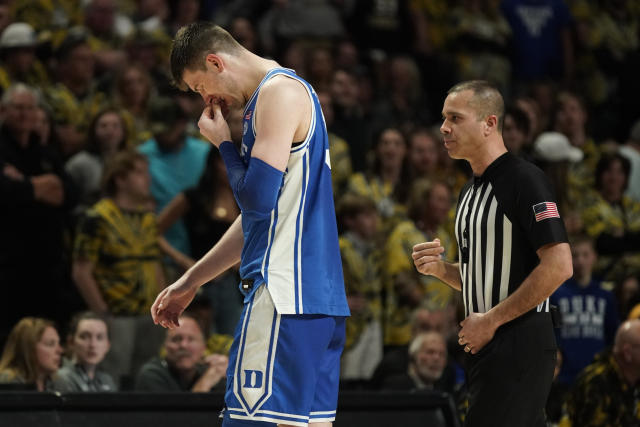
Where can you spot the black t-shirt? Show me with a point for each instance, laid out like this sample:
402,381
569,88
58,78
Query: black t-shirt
204,231
503,218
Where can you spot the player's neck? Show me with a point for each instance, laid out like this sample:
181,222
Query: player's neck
252,69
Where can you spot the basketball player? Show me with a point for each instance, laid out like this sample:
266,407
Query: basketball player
284,362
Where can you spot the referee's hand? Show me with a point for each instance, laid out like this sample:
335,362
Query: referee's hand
426,257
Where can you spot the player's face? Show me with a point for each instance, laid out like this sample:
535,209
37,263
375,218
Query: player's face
461,128
91,341
215,87
185,345
48,351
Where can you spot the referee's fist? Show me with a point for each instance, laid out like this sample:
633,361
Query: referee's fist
426,256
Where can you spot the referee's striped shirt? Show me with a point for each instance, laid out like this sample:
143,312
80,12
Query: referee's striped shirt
503,217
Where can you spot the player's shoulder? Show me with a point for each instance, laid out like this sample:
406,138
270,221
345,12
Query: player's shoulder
283,86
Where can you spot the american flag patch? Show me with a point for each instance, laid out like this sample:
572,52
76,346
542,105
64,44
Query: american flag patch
248,115
545,210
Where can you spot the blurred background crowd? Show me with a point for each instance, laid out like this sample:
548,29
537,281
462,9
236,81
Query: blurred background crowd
108,193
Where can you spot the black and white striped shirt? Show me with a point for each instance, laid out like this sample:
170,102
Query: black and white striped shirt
503,217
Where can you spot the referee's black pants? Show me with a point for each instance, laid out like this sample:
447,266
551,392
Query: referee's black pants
510,378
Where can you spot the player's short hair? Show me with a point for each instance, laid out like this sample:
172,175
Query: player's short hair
193,43
486,99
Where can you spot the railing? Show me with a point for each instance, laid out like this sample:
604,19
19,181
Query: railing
124,409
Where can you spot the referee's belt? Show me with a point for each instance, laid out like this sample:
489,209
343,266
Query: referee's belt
246,284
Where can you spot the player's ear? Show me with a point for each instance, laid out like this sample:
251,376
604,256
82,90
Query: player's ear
214,62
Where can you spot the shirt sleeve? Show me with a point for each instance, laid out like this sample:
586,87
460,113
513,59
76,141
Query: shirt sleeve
536,208
88,240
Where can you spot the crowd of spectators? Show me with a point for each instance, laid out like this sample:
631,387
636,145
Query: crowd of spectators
108,192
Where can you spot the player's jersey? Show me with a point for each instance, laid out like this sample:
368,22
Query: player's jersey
295,251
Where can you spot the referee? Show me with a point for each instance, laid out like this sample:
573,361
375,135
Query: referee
513,253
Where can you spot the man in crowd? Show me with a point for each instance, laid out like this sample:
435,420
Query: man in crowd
184,366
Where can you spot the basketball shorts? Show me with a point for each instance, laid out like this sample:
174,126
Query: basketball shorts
283,368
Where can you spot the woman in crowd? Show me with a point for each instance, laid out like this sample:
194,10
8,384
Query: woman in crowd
613,220
88,341
31,355
387,182
107,135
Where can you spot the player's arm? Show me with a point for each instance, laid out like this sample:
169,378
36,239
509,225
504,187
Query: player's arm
172,301
279,119
428,260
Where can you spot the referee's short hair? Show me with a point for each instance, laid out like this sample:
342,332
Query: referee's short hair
486,99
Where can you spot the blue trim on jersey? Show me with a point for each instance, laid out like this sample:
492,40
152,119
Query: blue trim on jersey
296,249
272,233
245,326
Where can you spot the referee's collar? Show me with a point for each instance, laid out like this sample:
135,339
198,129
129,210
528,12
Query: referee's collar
479,179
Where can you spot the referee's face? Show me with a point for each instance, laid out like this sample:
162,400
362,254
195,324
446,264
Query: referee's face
460,126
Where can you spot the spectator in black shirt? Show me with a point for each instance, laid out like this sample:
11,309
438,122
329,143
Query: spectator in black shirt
185,366
35,199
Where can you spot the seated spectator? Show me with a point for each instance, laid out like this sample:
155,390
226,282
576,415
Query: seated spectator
31,355
18,60
133,89
36,197
339,155
589,313
429,204
427,361
184,366
571,119
88,339
387,181
116,263
107,135
613,220
605,393
423,154
631,150
176,161
515,132
75,97
555,155
358,218
427,317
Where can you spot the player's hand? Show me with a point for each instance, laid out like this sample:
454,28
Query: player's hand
213,126
477,330
426,257
171,302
